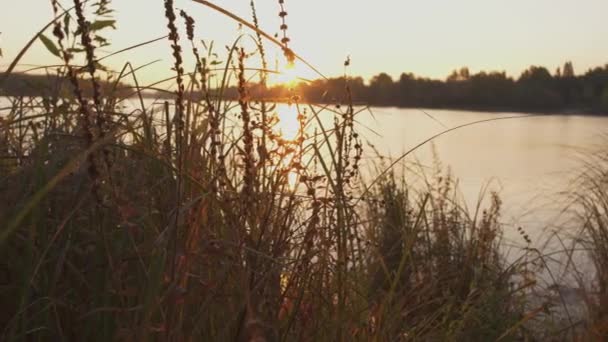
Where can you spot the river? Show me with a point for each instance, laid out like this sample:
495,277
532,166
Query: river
529,160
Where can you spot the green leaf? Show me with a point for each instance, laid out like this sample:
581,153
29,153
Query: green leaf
49,45
101,40
101,24
66,24
98,25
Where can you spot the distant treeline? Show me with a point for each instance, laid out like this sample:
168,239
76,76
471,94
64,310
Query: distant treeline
536,90
20,84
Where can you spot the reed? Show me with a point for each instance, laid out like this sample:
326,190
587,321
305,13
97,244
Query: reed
181,223
591,200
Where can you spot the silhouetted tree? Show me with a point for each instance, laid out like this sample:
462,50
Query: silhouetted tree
460,75
568,70
535,90
381,91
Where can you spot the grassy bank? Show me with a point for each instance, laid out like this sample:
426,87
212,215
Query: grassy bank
199,221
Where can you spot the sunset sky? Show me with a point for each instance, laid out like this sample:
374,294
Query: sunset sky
429,38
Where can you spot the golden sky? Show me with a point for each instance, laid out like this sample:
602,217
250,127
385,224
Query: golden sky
429,38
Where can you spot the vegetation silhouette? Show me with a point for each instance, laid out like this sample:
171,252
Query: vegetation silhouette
536,90
181,222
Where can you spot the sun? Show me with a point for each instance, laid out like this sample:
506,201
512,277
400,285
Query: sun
289,75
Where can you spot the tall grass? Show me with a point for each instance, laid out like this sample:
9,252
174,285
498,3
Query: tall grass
435,272
592,200
196,220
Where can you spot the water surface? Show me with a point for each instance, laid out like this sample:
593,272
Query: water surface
529,160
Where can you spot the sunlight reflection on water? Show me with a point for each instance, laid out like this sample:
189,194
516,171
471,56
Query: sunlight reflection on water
529,160
288,125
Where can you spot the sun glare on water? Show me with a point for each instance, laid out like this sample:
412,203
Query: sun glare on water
288,125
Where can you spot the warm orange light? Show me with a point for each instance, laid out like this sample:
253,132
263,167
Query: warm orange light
288,125
287,76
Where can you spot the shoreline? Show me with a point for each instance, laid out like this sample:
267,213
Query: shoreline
477,109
